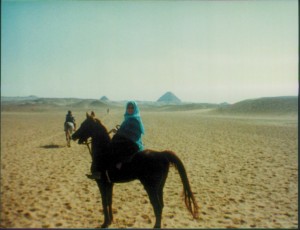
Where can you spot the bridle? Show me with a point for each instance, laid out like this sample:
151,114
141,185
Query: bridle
87,143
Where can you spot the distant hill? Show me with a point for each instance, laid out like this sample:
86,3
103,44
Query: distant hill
43,104
169,97
266,105
31,97
97,103
168,102
186,106
28,104
87,103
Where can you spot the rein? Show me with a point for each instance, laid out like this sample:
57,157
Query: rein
88,146
87,143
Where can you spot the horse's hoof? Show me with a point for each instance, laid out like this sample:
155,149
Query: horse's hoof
104,226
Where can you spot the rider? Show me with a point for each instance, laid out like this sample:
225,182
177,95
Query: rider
128,138
132,127
70,118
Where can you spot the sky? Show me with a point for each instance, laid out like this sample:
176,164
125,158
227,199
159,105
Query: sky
202,51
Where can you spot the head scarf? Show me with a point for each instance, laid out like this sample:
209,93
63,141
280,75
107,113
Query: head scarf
135,114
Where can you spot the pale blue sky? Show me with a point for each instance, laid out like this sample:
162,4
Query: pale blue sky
202,51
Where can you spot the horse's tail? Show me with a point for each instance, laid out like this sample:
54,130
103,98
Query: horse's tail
189,198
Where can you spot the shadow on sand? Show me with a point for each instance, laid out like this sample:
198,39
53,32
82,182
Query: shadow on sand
52,146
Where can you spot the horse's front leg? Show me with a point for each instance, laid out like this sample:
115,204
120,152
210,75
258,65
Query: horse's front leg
104,190
110,193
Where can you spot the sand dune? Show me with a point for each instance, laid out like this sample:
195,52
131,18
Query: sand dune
267,105
244,172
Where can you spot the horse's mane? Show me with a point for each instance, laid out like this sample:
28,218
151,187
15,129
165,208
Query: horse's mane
97,121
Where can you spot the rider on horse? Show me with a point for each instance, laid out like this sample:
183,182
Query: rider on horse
127,141
70,119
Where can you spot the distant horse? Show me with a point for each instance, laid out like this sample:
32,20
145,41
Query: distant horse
69,128
150,167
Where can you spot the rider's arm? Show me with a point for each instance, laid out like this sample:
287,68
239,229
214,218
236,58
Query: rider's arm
131,129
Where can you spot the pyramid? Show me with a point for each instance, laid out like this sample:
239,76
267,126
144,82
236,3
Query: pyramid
169,97
104,98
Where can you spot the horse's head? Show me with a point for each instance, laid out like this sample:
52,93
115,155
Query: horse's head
86,129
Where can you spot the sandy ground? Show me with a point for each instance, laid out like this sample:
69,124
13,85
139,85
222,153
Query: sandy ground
244,172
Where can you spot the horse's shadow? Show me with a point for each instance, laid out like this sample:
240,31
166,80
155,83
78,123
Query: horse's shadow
52,146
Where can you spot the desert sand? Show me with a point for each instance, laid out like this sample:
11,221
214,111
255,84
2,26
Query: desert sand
243,171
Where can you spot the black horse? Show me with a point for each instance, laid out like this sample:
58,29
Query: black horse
150,167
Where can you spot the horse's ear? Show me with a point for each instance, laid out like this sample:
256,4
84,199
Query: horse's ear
93,114
87,115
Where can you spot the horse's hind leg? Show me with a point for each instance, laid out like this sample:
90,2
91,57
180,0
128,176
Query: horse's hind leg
155,193
154,197
154,187
68,138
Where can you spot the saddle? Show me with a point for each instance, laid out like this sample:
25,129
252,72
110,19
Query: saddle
123,149
122,152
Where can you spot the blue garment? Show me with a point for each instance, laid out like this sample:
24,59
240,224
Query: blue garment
132,126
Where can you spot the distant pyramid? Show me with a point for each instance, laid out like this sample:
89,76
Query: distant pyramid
169,97
104,98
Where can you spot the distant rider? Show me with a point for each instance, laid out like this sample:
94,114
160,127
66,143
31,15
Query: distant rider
71,120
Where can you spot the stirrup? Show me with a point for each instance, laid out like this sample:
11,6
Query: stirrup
94,176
